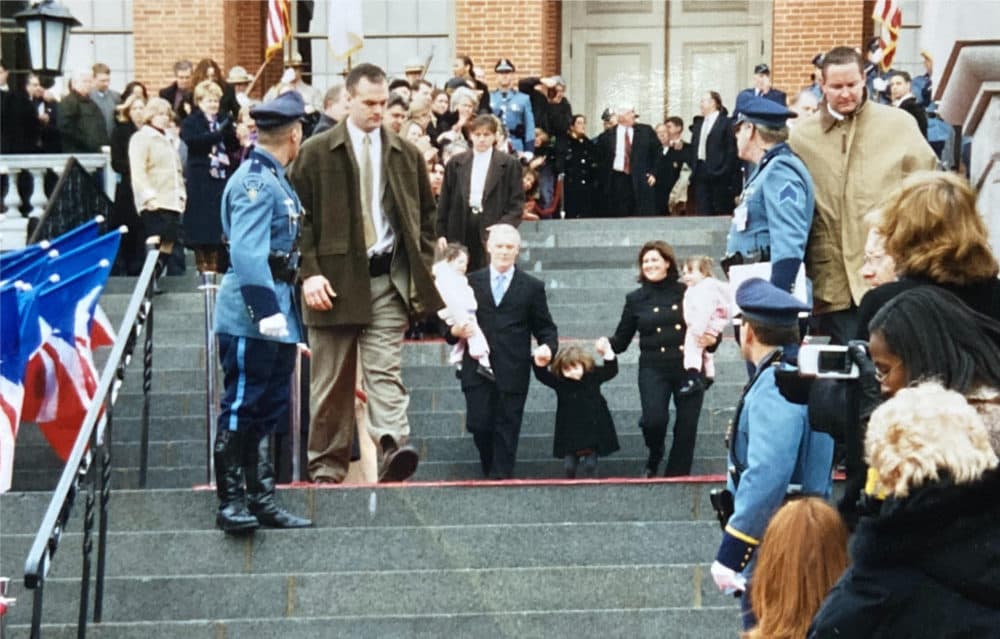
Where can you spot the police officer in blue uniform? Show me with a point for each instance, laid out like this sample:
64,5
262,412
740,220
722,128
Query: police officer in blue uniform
256,320
772,220
513,109
772,450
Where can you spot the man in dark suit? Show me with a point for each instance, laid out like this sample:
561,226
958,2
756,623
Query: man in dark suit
762,87
626,156
367,243
179,93
716,175
512,308
900,89
674,154
481,187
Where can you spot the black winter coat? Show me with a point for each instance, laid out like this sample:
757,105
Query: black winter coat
583,420
656,311
927,566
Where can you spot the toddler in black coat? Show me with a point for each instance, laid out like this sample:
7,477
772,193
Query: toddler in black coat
584,427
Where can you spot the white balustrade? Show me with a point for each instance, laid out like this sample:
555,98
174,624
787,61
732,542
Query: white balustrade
12,224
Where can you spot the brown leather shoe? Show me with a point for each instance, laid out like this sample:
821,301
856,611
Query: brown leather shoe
398,462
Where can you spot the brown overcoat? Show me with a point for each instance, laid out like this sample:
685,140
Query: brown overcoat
325,176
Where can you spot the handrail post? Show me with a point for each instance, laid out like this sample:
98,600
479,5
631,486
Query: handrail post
109,174
105,488
209,287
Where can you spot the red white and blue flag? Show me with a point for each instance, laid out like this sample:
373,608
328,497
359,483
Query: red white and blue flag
21,337
279,26
888,17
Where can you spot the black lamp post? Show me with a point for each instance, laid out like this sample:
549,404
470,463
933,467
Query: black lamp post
46,26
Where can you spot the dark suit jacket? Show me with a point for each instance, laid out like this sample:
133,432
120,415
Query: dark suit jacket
645,148
721,160
669,162
169,93
911,106
773,95
523,313
325,177
503,199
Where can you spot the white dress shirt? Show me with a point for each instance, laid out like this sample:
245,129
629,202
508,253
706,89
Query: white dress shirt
385,238
619,163
480,167
706,127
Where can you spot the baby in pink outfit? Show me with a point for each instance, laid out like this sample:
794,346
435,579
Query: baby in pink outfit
460,306
706,313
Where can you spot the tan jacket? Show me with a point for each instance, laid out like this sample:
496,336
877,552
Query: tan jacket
157,179
855,163
325,177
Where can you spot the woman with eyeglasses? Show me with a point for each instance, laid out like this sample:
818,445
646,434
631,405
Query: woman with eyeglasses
935,236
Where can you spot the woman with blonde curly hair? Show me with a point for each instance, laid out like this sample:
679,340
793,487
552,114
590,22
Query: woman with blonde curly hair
804,552
928,565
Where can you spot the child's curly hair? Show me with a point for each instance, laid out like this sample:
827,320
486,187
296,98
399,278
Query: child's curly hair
570,356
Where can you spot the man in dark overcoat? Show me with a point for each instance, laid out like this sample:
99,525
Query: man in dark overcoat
367,244
626,157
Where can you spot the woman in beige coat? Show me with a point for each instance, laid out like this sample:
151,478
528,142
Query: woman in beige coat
157,179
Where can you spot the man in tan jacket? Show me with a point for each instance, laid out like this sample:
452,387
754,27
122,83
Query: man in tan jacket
367,244
857,152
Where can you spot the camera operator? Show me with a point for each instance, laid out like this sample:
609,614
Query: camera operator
771,446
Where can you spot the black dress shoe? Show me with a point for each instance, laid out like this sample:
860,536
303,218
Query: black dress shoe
691,387
648,473
398,462
486,372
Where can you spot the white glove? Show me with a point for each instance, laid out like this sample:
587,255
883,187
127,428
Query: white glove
274,326
880,84
727,579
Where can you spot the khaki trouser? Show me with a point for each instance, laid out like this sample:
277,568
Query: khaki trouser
333,370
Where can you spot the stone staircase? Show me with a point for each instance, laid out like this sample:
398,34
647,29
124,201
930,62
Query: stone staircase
536,558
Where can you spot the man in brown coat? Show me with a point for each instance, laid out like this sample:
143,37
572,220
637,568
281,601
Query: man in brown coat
857,152
367,243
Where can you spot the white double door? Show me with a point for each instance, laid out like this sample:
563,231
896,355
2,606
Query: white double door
660,57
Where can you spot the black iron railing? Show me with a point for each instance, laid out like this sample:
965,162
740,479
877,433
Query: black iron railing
94,443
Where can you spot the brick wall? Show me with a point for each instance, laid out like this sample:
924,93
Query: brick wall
230,33
803,28
526,31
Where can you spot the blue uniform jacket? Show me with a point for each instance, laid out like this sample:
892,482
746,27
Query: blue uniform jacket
777,205
775,446
260,214
514,110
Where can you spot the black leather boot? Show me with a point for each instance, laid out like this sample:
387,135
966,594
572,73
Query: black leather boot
233,517
260,488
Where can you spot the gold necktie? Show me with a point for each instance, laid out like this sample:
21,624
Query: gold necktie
366,192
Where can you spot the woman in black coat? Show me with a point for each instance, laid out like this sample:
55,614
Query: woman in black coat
928,564
132,250
208,135
656,311
576,160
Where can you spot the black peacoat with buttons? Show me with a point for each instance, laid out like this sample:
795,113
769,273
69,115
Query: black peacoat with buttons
655,310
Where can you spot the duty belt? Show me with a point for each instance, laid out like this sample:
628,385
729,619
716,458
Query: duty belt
284,266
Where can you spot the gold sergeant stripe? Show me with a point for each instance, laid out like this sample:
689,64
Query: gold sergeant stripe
742,537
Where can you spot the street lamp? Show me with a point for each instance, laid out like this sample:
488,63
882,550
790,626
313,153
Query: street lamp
47,26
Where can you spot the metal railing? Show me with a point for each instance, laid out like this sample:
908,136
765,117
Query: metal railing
94,443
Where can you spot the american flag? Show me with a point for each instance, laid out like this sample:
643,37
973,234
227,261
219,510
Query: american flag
888,15
279,26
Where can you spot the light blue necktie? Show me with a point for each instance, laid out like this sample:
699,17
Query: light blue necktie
498,283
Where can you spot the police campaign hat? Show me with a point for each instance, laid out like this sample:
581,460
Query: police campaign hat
284,109
762,68
504,66
759,110
763,302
